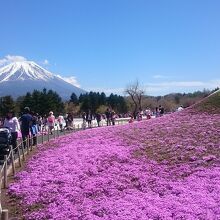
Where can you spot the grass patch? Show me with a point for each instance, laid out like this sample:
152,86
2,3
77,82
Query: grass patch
210,104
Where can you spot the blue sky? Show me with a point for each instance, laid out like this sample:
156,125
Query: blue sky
168,45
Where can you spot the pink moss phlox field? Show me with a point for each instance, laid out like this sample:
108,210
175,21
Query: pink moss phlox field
163,168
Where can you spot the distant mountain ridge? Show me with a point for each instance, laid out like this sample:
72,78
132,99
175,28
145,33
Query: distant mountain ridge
18,78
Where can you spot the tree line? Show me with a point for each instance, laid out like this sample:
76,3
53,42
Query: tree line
44,101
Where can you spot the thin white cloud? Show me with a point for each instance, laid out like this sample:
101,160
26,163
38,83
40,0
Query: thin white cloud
10,59
180,86
72,80
14,58
46,62
164,88
158,76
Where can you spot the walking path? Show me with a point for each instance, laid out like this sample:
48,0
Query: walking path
15,160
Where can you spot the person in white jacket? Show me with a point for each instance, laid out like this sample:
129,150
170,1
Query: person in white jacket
61,122
180,108
11,122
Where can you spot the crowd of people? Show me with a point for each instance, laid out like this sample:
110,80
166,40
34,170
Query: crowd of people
148,114
31,123
109,117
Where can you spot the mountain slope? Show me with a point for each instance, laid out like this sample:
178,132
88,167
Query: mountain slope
18,78
210,104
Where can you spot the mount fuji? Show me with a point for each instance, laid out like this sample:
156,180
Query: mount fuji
18,78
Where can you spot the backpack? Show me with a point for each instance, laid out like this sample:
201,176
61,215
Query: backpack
5,136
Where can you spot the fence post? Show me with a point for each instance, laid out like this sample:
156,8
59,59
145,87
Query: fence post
57,132
4,214
42,138
48,136
5,171
31,142
12,161
28,144
22,149
19,157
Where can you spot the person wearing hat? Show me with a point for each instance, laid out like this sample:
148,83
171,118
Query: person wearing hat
11,122
26,122
51,122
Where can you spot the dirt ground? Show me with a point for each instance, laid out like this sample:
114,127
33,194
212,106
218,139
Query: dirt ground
12,203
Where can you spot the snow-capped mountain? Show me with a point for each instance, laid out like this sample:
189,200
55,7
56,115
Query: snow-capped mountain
24,70
18,78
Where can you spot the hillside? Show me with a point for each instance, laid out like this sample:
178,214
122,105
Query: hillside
163,168
173,100
210,104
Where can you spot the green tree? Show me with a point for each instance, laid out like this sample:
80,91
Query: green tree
85,103
43,101
93,101
112,101
102,99
6,103
122,105
74,98
27,101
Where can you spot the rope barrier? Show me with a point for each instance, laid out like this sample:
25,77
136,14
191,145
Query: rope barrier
10,161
